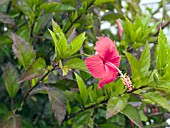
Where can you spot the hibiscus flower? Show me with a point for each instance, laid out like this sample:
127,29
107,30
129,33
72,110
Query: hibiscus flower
104,65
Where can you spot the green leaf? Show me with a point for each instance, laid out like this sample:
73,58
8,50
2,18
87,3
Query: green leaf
26,8
6,19
98,2
109,125
58,102
118,86
13,121
145,61
55,7
35,70
81,120
24,32
115,105
163,52
64,69
131,30
39,90
158,99
41,23
134,65
10,76
59,41
76,63
76,44
133,115
82,88
23,51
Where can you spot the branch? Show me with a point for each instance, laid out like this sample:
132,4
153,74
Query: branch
38,82
84,109
163,26
72,23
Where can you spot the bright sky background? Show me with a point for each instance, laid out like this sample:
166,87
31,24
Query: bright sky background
144,3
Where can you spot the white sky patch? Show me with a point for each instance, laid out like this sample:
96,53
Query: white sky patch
168,121
105,25
149,1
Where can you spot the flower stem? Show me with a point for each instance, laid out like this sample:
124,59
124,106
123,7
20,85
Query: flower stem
126,80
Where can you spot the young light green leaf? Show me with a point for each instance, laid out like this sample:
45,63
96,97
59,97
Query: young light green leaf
13,121
60,36
59,41
145,61
98,2
57,46
10,76
35,70
82,88
23,51
163,54
131,30
133,115
115,105
158,99
76,44
64,69
76,63
134,65
58,102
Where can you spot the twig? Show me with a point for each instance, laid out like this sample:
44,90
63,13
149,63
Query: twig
39,81
73,22
163,26
9,7
84,109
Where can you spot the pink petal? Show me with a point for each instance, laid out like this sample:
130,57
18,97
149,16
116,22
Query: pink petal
95,66
114,60
110,76
104,46
120,28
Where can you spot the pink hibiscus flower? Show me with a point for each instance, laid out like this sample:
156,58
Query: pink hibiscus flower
105,63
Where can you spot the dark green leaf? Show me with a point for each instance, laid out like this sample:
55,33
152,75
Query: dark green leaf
82,89
35,70
58,102
39,90
5,40
10,76
41,23
55,7
157,98
13,121
23,51
81,120
76,63
115,105
109,125
6,19
133,114
24,32
25,7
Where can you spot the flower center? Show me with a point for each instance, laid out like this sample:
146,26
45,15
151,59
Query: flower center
126,80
